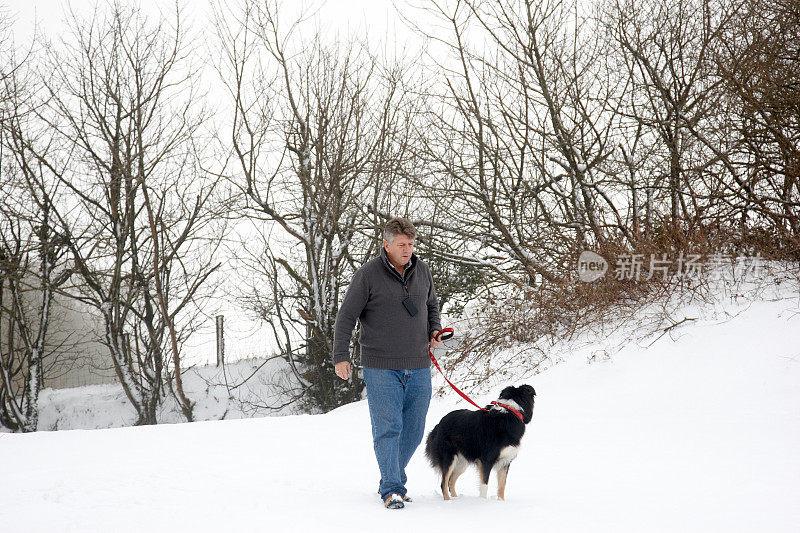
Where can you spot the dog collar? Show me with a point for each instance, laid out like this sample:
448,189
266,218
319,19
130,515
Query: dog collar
498,404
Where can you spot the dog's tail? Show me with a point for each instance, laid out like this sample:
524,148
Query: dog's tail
430,447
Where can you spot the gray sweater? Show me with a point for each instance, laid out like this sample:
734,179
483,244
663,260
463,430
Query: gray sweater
390,336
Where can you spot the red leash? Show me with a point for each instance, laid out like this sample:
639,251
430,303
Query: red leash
439,336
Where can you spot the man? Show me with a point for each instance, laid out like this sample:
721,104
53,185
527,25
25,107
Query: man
394,298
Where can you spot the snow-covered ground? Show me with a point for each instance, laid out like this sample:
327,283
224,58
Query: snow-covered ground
239,390
698,432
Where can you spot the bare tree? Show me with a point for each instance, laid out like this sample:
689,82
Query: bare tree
758,61
31,267
316,139
118,102
518,138
31,259
681,151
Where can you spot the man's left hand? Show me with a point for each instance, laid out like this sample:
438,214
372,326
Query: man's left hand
434,341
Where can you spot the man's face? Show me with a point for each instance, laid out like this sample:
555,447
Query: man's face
400,250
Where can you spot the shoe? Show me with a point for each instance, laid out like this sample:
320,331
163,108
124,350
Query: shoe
406,498
395,501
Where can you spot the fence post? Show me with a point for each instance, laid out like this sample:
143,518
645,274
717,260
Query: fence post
220,340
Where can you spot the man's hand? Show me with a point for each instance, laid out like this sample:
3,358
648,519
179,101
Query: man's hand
342,369
434,341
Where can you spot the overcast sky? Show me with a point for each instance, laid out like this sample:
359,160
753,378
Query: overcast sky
376,19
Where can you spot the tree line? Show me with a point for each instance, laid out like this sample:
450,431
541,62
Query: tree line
527,133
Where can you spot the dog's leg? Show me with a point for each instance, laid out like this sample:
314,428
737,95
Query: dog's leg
484,470
460,465
446,474
502,475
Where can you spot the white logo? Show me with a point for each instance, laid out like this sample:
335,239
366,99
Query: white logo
591,266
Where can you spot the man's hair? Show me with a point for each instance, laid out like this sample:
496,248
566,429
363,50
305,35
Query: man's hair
397,226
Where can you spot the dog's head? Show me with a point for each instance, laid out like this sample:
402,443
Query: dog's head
522,396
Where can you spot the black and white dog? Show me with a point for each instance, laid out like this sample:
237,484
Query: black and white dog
489,439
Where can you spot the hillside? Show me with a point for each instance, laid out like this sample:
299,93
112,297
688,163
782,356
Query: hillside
698,432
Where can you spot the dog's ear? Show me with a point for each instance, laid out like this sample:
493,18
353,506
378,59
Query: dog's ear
528,390
507,393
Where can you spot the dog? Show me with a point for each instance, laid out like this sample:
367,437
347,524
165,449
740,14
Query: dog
488,439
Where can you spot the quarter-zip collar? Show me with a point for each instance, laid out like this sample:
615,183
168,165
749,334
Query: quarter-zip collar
409,268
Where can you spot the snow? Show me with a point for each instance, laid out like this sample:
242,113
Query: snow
106,406
698,432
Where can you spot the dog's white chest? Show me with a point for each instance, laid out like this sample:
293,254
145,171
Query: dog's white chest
507,454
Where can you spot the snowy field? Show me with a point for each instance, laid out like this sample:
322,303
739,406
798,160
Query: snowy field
698,432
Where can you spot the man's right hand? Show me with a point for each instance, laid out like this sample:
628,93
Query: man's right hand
342,369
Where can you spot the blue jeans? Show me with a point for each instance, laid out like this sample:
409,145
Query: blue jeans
398,403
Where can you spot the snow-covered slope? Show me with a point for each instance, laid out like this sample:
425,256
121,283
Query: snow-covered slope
218,393
698,432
